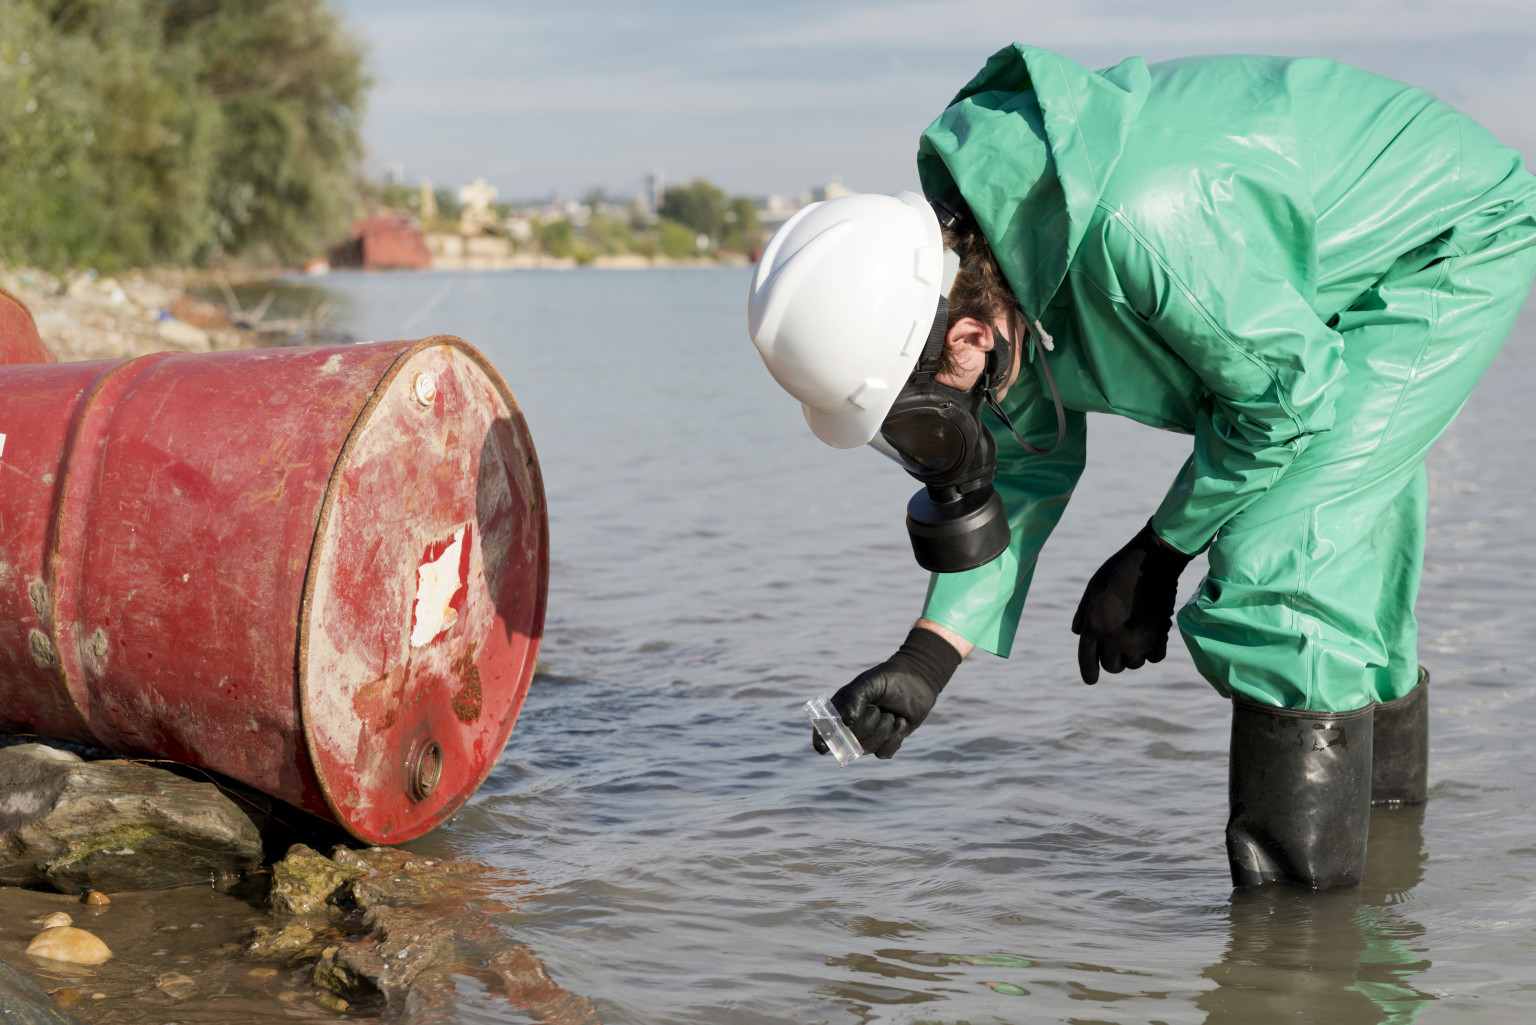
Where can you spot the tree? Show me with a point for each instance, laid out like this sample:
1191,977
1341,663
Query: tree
142,131
676,240
448,206
290,86
742,229
557,237
698,205
107,140
608,235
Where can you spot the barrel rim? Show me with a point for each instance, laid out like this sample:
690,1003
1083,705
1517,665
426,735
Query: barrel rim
312,570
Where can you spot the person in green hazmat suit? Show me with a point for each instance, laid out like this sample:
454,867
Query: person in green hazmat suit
1304,266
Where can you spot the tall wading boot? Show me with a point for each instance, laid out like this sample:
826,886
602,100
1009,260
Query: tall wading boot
1300,795
1400,764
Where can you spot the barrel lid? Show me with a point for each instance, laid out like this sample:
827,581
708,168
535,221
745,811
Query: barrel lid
424,599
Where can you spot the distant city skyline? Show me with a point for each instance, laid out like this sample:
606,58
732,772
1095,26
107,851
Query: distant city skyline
542,99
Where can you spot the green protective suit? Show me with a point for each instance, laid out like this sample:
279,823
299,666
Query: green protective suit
1303,265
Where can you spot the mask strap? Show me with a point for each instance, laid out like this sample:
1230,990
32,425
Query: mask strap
929,357
989,393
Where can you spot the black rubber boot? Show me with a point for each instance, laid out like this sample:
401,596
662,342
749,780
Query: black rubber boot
1400,764
1300,795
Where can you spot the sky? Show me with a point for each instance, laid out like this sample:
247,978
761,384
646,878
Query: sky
557,98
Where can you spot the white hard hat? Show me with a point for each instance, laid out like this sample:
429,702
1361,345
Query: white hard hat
842,303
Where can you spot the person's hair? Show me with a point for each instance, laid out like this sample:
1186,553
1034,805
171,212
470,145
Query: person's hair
980,290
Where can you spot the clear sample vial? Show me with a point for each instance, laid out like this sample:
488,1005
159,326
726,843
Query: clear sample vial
830,727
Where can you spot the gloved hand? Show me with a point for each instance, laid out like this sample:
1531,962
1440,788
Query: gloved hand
1127,608
887,702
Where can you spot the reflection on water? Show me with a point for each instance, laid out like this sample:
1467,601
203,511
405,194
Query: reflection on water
1039,850
1343,956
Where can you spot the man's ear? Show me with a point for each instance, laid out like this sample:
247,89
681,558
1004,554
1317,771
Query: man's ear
968,334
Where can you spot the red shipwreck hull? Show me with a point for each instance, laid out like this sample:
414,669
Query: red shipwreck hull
321,571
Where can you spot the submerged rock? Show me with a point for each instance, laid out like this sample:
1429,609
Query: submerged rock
305,880
22,1002
73,825
70,945
392,930
176,985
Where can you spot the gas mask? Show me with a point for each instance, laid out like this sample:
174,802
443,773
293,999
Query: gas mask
935,432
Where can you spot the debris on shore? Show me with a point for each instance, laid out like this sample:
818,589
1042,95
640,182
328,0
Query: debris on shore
361,931
85,316
388,930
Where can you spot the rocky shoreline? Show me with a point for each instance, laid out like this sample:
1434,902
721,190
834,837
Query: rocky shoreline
166,874
86,316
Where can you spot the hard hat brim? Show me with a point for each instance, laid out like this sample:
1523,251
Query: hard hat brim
849,428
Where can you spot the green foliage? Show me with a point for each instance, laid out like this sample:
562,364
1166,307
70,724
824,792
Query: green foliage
557,237
396,196
699,205
742,230
448,206
167,131
675,240
608,236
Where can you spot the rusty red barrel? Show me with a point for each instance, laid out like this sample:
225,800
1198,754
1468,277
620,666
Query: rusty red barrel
321,571
19,340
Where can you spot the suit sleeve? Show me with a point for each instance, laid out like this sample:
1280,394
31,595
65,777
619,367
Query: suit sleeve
983,605
1272,370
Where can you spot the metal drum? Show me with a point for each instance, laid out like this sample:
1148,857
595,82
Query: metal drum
19,340
321,571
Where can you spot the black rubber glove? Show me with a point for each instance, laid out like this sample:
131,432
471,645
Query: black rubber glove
1127,608
887,702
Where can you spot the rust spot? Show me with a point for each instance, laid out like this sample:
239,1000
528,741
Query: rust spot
466,703
377,703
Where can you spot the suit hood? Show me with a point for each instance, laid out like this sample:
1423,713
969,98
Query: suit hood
1029,145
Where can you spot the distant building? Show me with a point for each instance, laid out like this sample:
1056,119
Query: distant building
778,208
655,190
833,189
383,242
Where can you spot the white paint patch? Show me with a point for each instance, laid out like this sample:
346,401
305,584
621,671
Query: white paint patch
332,365
2,444
436,584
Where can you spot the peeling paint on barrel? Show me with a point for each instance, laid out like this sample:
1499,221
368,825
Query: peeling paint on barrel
247,606
37,594
42,649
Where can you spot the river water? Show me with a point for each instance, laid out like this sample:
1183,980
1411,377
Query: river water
1039,851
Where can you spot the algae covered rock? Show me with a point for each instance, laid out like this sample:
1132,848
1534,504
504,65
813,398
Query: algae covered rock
305,880
395,931
71,825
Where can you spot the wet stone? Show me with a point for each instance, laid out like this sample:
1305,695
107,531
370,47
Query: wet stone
283,942
71,825
66,997
176,985
22,1001
394,931
305,880
70,945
